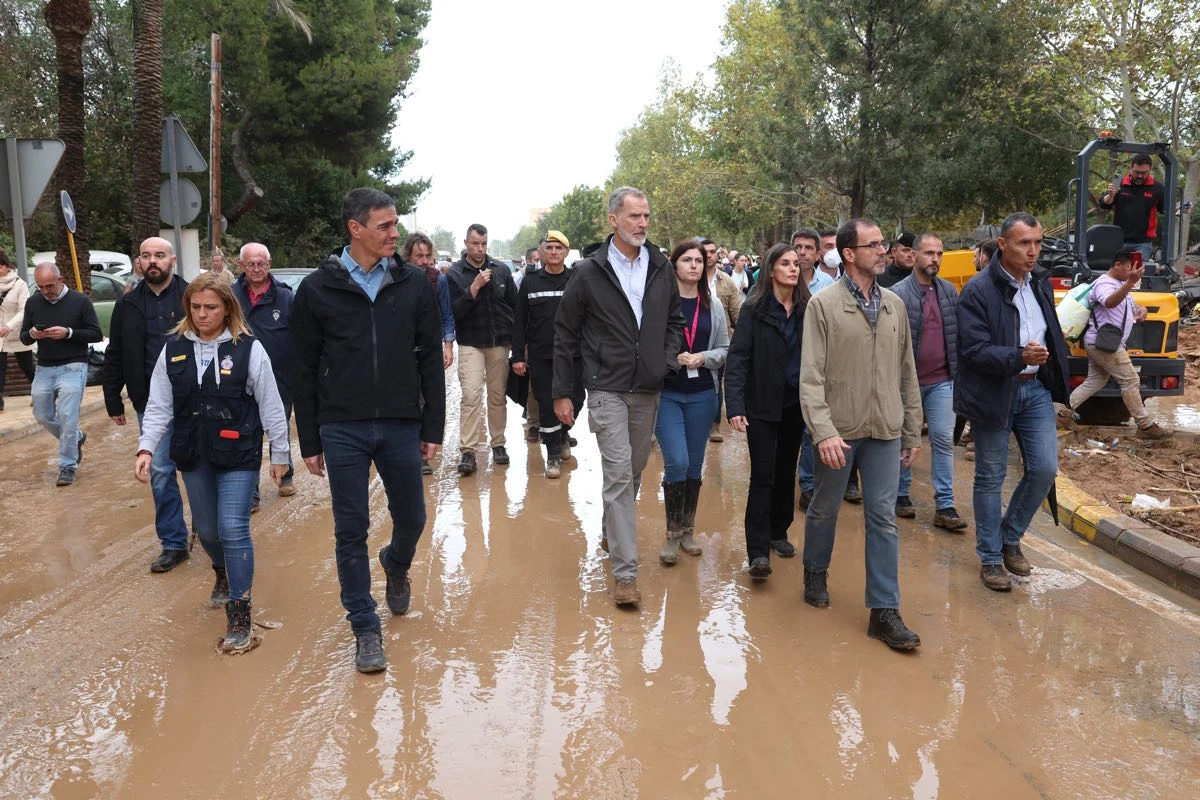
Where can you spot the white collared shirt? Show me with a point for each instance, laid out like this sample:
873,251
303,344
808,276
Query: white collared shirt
631,275
1033,321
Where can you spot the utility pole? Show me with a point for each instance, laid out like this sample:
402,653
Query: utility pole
215,228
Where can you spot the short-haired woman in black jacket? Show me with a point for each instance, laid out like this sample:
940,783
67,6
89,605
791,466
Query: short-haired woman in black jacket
762,398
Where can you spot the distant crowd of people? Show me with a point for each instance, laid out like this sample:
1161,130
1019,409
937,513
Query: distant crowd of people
830,353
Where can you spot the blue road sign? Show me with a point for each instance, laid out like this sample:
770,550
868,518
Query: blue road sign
68,209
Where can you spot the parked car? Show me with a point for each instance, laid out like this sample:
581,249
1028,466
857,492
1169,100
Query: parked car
106,290
292,276
105,261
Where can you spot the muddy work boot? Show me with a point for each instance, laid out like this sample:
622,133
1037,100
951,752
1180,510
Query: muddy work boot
368,651
948,519
1155,431
399,587
995,577
673,500
238,638
760,568
853,495
887,627
1015,561
691,498
905,508
466,464
625,592
816,590
169,560
220,590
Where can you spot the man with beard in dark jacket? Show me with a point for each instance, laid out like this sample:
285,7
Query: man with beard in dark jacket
1012,368
267,304
621,314
140,322
932,303
367,342
533,345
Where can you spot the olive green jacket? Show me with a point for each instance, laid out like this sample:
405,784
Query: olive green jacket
854,382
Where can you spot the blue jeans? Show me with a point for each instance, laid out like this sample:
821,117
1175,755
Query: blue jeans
164,488
1145,248
684,420
1033,425
878,462
937,399
57,394
350,448
220,503
805,468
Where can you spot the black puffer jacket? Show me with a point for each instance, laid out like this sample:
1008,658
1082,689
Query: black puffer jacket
358,360
595,321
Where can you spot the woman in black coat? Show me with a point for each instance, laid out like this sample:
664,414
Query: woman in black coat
762,398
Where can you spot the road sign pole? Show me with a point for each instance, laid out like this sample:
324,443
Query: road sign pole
170,123
74,261
18,219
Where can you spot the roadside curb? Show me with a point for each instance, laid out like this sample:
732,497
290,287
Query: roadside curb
1159,555
22,429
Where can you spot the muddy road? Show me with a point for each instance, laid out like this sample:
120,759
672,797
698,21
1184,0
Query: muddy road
514,676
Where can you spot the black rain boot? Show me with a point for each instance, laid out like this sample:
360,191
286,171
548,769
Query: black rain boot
691,499
238,638
220,591
673,498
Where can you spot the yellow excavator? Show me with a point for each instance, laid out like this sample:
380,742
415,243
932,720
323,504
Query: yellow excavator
1087,253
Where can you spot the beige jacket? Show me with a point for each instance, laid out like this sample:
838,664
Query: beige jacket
854,382
730,296
12,312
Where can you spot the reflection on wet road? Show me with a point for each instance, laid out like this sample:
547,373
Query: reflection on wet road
515,676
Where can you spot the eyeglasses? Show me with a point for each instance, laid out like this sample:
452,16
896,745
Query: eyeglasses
872,246
255,265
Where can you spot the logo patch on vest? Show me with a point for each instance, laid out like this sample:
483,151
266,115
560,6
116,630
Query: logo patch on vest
179,358
275,315
226,365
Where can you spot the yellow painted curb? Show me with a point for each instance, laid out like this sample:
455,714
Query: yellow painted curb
1084,511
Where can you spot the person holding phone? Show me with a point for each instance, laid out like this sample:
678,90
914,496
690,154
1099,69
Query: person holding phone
1113,309
213,382
62,322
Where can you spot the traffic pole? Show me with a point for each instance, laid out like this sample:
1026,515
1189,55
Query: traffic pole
74,261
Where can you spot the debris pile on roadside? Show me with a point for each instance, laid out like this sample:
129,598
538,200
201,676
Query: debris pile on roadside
1117,469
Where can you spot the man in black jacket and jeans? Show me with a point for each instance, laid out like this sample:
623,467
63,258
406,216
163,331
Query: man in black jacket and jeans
367,341
1012,368
141,320
621,313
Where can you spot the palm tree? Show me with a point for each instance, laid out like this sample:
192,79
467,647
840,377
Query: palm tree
69,22
148,106
147,116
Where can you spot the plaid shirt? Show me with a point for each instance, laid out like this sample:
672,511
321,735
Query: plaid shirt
869,305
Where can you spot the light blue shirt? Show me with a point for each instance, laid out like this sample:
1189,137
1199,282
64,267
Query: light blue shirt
1033,321
819,281
372,281
631,275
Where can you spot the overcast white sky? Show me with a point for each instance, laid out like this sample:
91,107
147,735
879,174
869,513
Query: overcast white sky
515,103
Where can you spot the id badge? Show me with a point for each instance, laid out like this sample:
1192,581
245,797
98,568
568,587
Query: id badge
693,372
